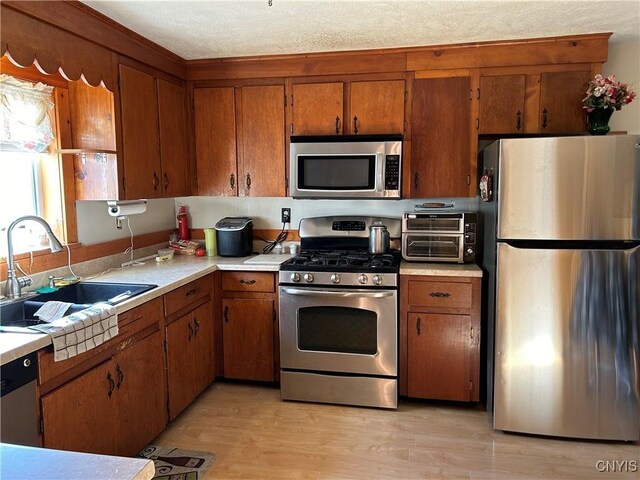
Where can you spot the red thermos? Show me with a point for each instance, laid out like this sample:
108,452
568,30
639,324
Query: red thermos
183,224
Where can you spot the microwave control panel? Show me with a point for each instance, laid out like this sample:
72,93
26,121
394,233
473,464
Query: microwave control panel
392,172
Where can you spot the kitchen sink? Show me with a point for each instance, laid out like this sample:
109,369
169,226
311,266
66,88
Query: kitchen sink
20,313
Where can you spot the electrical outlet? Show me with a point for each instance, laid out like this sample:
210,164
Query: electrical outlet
286,215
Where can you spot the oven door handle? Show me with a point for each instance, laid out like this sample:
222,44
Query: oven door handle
341,293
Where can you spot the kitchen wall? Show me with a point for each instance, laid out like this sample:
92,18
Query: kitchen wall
624,63
206,211
95,225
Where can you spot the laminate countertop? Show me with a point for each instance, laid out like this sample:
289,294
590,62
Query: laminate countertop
182,269
31,463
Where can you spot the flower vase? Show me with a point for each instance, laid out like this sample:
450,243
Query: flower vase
598,120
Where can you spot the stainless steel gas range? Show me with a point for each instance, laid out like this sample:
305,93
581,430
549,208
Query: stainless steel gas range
339,315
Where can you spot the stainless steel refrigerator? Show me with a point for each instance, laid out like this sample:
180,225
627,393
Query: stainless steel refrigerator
562,256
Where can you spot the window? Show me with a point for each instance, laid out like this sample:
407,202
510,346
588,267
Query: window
30,183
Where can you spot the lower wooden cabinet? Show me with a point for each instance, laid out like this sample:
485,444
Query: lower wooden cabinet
440,337
114,408
190,357
249,326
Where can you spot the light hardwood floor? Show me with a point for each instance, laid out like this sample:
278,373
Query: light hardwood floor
255,435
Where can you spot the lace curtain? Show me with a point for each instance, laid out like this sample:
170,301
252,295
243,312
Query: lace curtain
25,124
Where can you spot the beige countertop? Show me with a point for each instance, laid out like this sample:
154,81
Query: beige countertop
183,269
440,269
168,275
31,463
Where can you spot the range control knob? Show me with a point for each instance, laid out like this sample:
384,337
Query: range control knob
362,279
469,251
295,277
377,280
308,277
335,278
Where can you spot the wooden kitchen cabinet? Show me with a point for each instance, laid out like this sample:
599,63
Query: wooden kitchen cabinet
440,337
115,408
239,139
249,326
154,135
190,344
440,142
374,107
540,102
377,107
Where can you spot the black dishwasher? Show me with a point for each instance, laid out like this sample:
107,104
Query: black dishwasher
18,408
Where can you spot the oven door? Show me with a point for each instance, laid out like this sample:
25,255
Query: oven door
339,330
433,247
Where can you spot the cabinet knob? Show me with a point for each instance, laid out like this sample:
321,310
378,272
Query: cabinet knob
226,314
112,384
518,120
355,125
190,331
440,294
166,182
248,181
418,324
415,180
156,181
119,376
544,118
232,181
247,282
197,326
337,125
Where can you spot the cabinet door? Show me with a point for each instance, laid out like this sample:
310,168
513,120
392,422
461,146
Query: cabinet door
377,107
440,122
262,165
439,356
174,151
561,95
502,104
247,338
141,394
317,108
203,346
215,132
180,369
140,134
81,415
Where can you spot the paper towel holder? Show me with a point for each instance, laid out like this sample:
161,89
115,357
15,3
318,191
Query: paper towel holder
118,208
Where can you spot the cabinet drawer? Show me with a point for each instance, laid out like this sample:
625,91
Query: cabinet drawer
187,294
440,294
248,281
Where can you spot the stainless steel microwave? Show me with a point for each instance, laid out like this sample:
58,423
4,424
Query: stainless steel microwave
346,166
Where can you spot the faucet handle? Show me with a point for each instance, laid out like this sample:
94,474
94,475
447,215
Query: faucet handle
53,280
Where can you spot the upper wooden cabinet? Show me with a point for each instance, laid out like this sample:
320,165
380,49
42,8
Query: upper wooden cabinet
440,141
153,136
547,102
377,107
369,107
239,137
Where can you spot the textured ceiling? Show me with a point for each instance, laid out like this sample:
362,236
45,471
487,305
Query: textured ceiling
226,28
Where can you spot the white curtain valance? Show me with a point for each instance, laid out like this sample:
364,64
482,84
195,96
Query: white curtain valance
25,124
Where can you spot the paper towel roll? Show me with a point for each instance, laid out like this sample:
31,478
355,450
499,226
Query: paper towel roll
117,209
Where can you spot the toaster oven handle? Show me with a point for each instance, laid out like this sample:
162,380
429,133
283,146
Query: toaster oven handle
338,293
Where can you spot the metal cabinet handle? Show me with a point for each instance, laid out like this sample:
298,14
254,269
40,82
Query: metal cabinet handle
355,124
190,331
544,118
248,181
119,375
415,180
247,282
232,181
166,181
418,323
440,294
337,125
192,292
226,314
112,384
156,181
197,324
518,120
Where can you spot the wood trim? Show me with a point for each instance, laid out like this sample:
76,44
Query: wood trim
535,69
457,72
474,119
69,16
44,260
258,234
560,50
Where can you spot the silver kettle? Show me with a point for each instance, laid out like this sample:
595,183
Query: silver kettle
378,238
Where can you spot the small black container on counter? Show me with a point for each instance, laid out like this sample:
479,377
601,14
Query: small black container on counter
234,236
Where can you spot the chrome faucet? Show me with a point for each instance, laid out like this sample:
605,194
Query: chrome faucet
15,284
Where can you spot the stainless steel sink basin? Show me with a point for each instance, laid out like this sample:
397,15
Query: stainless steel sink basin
20,313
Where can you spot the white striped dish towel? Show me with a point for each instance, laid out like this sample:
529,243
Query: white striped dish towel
81,331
